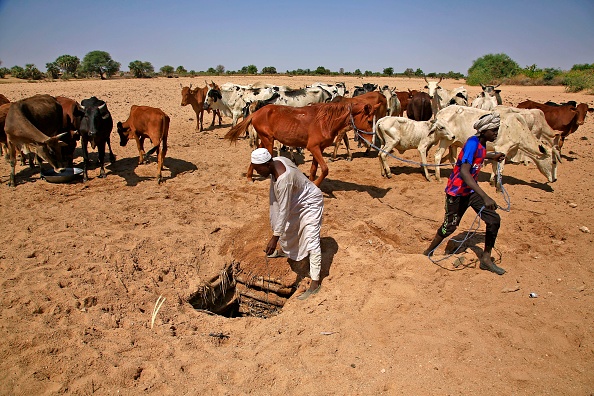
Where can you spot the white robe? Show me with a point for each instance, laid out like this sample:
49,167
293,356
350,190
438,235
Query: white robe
296,206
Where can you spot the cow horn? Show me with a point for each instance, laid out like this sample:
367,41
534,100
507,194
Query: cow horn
426,79
496,85
482,86
181,86
102,106
190,88
441,78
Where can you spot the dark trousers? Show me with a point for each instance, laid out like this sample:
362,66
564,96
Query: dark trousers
455,207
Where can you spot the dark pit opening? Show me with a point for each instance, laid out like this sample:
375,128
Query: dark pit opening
235,293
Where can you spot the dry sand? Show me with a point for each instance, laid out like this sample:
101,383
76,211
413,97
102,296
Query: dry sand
82,265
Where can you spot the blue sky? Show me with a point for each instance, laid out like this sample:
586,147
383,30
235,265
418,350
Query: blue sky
434,35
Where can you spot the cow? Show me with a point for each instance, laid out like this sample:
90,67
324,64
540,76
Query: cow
231,99
72,114
538,126
404,97
514,134
301,97
338,89
375,99
95,128
34,124
314,127
419,107
571,103
441,97
403,134
366,88
565,119
3,100
146,122
3,142
394,106
195,97
488,99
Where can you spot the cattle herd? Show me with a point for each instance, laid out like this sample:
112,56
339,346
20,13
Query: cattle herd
48,128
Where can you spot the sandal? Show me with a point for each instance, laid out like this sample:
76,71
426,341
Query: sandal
277,253
309,293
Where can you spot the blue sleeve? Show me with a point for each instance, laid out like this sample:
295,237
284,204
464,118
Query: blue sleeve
469,150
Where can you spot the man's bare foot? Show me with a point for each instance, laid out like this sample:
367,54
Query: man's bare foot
488,264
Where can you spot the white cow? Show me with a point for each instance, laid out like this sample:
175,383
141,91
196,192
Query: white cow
403,134
338,89
514,134
484,102
393,102
441,98
301,97
231,99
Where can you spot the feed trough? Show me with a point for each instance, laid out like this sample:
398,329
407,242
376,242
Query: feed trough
66,175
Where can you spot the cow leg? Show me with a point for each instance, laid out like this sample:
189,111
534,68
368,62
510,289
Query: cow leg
201,120
101,151
83,144
438,155
339,137
217,112
161,157
423,150
112,157
318,158
12,160
140,145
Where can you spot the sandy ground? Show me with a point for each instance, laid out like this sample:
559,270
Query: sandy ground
82,266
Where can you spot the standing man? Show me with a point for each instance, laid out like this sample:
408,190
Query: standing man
296,206
463,190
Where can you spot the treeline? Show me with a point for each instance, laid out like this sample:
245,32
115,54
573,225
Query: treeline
489,69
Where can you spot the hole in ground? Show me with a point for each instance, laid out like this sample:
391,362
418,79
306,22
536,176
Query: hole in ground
235,293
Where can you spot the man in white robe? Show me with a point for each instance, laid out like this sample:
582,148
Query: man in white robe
296,206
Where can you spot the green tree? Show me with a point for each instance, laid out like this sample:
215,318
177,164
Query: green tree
52,70
141,69
582,67
181,71
211,70
17,72
220,69
419,72
409,72
491,68
31,72
100,62
357,72
68,64
166,70
389,71
269,70
4,71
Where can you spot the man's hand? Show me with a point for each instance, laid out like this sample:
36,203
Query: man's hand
490,203
499,157
271,247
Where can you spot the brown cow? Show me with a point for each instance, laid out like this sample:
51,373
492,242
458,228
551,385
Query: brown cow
35,123
3,112
314,127
146,122
419,107
196,98
72,115
404,97
565,119
3,100
371,98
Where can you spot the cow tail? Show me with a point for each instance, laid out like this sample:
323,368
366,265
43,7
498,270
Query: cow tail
239,129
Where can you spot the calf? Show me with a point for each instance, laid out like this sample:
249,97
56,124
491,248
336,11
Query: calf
146,122
404,134
33,124
95,128
195,98
394,106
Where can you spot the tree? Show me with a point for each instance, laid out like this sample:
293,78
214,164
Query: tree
181,70
491,68
322,70
100,62
4,71
52,69
269,70
141,69
357,72
166,70
409,72
17,72
341,70
220,69
211,70
389,71
419,72
68,64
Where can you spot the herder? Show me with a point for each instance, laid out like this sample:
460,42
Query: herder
296,206
463,190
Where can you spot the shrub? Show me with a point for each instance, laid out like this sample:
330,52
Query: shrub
491,68
579,80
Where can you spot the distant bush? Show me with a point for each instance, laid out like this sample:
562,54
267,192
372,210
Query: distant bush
579,80
492,68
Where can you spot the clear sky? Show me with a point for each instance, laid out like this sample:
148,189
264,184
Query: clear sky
434,35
